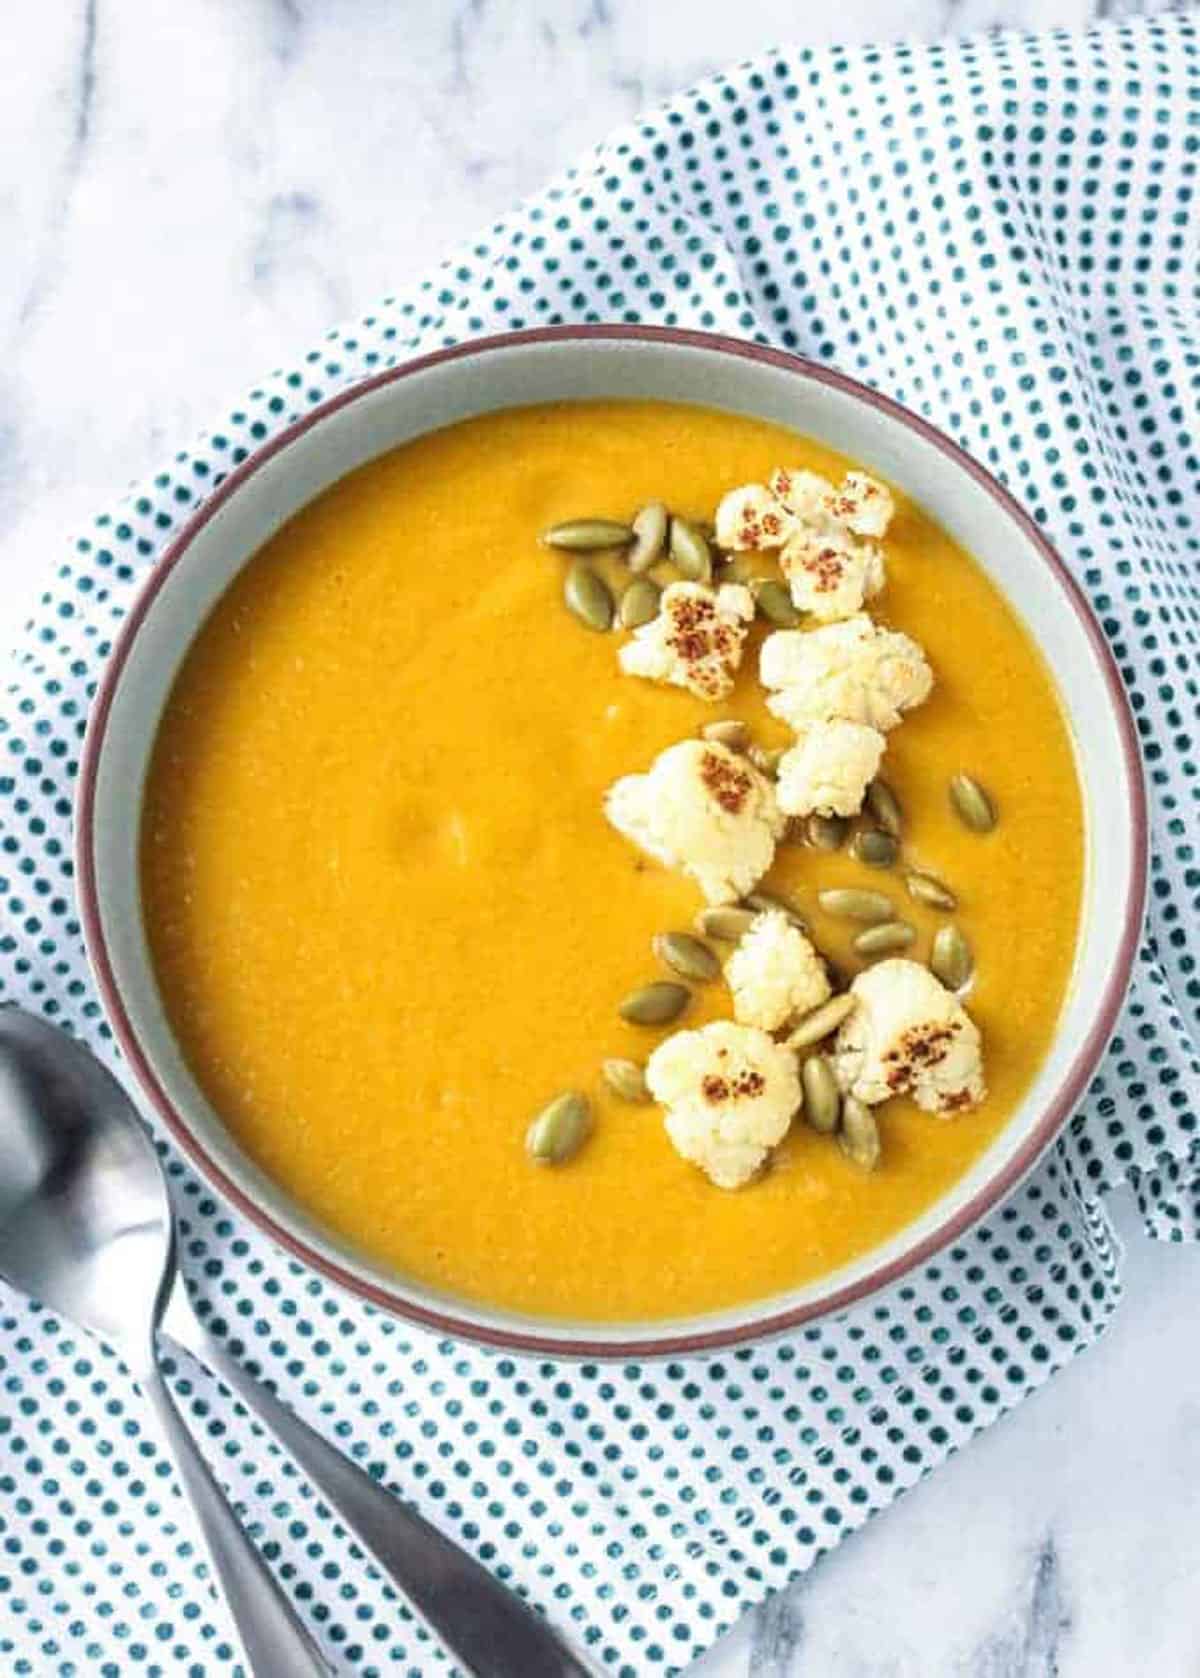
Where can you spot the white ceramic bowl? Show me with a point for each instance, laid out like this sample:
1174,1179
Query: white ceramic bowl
572,364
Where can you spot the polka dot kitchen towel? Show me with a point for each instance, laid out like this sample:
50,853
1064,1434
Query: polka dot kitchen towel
1001,233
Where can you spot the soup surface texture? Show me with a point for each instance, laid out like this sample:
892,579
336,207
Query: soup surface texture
390,921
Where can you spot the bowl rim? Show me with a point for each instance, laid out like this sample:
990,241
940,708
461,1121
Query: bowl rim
757,1324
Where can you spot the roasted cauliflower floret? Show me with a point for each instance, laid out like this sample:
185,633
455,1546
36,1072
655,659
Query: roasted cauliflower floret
910,1036
730,1093
829,769
758,516
862,504
706,810
750,518
830,571
806,495
853,670
775,973
696,640
829,574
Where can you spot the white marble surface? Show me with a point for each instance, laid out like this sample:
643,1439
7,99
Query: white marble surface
189,193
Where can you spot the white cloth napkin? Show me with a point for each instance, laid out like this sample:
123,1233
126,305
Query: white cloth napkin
1001,233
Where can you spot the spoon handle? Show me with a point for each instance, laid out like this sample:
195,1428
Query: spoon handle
272,1636
485,1625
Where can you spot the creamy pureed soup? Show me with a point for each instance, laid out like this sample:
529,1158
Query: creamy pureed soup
390,921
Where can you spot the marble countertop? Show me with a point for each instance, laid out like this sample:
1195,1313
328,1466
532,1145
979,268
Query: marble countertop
189,194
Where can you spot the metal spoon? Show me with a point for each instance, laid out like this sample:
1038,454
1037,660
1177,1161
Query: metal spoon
86,1227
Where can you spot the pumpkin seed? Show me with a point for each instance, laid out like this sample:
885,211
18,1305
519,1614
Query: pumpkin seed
560,1129
930,891
885,807
874,847
655,1004
774,603
639,603
729,924
821,1022
626,1079
588,596
825,833
849,904
973,805
822,1098
649,537
690,553
951,959
764,901
687,955
733,734
587,535
859,1136
737,569
882,940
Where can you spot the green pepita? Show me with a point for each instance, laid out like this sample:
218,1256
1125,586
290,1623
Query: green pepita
588,596
655,1004
729,924
859,1136
822,1098
951,959
626,1079
925,888
639,603
687,955
774,603
560,1129
852,905
874,847
649,537
825,833
822,1022
973,805
885,939
587,535
731,733
885,807
738,569
690,553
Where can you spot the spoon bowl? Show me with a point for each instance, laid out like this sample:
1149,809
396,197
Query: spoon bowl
85,1221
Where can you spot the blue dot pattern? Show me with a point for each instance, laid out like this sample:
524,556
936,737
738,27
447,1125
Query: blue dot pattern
1002,234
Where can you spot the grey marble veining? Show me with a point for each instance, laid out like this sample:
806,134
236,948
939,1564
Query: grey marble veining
191,193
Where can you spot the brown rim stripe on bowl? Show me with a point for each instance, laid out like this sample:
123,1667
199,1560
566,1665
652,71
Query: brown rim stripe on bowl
996,1190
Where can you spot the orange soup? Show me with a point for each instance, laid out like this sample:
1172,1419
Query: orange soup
390,921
